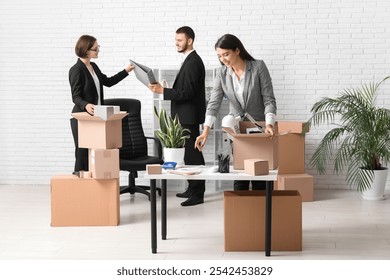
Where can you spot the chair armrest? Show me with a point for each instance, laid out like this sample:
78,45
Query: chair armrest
157,145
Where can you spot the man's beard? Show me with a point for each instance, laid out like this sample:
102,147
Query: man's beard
184,49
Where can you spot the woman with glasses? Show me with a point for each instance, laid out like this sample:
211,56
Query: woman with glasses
86,82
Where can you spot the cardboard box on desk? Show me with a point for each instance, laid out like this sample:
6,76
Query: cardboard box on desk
256,167
256,145
245,219
303,183
84,202
104,164
96,133
292,147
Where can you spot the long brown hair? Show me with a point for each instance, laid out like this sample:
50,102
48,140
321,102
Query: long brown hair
231,42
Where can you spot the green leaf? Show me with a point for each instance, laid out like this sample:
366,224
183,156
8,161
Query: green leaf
361,138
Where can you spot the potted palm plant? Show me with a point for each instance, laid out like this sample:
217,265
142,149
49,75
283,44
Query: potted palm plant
359,141
172,136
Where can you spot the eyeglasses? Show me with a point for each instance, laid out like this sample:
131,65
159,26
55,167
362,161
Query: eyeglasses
95,50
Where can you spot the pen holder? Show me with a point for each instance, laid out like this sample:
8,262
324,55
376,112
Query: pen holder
223,164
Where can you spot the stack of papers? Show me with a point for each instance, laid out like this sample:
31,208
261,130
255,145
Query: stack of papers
185,171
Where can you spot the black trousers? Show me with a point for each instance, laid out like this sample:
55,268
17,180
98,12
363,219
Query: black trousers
193,156
244,185
81,154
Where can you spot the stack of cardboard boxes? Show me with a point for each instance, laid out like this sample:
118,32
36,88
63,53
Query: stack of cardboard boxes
245,210
92,199
291,171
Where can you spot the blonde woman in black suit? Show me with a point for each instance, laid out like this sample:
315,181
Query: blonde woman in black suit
86,83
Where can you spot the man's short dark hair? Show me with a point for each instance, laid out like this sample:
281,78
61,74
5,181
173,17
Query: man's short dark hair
187,31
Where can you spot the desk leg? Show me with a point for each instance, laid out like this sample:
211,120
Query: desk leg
153,215
268,216
164,209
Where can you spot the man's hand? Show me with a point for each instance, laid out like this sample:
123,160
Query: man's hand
156,88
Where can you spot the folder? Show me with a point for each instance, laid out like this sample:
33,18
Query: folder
143,73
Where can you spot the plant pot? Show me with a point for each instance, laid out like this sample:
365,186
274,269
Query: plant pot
175,155
377,190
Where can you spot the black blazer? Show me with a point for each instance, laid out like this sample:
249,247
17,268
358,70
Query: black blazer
83,87
188,92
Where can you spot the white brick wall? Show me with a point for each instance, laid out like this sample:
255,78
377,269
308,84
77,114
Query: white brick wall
313,49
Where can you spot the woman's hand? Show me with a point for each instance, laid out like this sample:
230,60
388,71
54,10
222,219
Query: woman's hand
269,129
90,108
202,139
129,68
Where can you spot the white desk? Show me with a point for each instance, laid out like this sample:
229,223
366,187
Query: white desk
206,175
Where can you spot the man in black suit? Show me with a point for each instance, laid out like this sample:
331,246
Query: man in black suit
188,102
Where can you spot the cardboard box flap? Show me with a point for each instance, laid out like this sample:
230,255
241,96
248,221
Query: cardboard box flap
293,127
87,117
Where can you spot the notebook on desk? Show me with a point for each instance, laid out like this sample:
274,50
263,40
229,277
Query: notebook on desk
143,73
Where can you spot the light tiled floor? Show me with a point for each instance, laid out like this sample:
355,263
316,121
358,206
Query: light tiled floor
337,225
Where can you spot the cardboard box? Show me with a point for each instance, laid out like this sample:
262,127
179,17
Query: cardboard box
292,147
84,202
256,167
293,127
105,112
245,220
154,169
256,145
303,183
103,164
96,133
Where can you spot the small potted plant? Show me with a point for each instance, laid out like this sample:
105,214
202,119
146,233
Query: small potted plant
359,141
172,136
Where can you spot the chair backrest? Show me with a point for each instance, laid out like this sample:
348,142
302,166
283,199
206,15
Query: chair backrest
133,138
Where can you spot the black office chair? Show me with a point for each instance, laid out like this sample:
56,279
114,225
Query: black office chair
134,152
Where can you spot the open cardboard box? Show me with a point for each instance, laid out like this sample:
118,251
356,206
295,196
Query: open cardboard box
256,145
96,133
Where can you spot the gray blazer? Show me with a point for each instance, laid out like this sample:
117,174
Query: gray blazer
259,96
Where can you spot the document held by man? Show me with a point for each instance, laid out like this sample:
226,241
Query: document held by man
143,73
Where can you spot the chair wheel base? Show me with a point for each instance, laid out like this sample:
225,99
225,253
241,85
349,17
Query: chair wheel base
138,189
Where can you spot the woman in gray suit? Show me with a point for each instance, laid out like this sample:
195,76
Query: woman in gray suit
247,84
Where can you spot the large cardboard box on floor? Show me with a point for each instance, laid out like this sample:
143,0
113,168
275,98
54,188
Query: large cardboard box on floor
104,164
84,202
96,133
256,145
292,147
303,183
245,221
